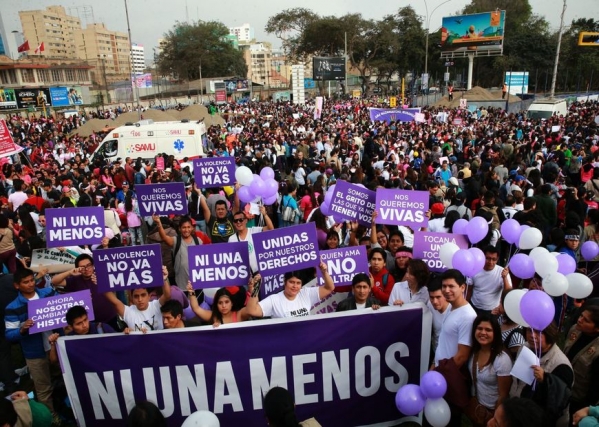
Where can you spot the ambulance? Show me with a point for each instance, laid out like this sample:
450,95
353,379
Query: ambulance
147,139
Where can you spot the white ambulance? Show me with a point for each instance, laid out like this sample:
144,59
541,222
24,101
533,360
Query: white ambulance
147,139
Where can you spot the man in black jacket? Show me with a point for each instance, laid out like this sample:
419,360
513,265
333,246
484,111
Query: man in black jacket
361,287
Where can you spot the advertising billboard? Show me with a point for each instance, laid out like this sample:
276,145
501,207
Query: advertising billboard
34,97
64,96
8,100
480,33
328,68
586,38
237,86
516,81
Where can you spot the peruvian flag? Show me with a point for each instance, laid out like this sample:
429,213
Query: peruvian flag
40,48
24,47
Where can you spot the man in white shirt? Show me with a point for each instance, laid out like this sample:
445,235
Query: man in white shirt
244,234
485,292
439,308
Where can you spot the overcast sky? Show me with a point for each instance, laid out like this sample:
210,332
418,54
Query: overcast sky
150,19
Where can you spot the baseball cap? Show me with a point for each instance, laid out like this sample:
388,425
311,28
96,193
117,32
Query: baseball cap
126,183
437,209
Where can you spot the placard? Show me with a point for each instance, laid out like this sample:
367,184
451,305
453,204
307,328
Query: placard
271,285
214,171
74,226
402,207
129,267
54,260
343,264
213,266
49,313
162,199
427,245
352,202
286,249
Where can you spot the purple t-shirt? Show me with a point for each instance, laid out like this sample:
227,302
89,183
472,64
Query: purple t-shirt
103,308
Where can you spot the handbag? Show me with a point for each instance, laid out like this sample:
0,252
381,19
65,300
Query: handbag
477,413
288,212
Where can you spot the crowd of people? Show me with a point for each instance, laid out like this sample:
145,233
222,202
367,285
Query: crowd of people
484,162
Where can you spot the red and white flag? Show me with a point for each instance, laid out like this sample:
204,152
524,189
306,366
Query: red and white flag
24,47
40,48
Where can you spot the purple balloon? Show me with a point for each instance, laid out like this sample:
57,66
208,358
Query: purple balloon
477,229
257,186
272,188
522,266
267,173
510,231
325,208
566,264
433,385
462,260
478,262
328,196
522,228
269,200
409,399
188,313
589,250
460,226
244,194
178,295
537,309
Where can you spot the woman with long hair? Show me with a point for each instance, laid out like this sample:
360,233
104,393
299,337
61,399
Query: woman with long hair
413,287
322,229
489,366
133,219
307,203
223,307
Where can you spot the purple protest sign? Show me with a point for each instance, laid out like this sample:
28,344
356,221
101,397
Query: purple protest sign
219,265
74,226
271,285
286,249
128,267
393,115
427,245
352,202
49,313
402,207
344,263
162,199
214,171
330,372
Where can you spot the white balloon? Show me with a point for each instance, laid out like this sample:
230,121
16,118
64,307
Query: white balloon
555,284
209,295
437,412
538,251
201,419
546,264
555,254
446,253
511,305
244,175
579,286
530,238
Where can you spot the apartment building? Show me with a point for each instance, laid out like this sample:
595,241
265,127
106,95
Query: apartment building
52,27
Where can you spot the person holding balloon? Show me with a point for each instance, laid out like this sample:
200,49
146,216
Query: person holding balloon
487,285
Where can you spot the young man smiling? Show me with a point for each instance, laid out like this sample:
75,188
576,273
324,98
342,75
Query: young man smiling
360,298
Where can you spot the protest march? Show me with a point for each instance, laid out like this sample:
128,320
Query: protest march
425,265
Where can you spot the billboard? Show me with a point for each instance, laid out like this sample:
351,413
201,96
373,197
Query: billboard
64,96
237,85
8,100
480,33
516,81
328,68
143,80
586,38
34,97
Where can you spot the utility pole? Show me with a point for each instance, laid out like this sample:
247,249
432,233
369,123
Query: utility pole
133,82
559,44
201,85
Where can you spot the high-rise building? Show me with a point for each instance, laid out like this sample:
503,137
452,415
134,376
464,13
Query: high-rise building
52,27
245,33
138,58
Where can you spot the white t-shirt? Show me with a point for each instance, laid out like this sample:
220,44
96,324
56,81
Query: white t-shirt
487,387
150,318
437,225
277,305
250,240
408,236
438,319
17,199
300,176
401,291
457,329
487,287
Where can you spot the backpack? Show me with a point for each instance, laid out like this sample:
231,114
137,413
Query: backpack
177,247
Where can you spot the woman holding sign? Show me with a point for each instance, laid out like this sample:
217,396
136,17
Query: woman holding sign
294,301
222,307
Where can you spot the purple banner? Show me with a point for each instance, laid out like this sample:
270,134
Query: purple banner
402,207
128,267
344,263
428,244
393,114
49,313
213,266
353,202
286,249
214,171
330,374
271,285
162,199
74,226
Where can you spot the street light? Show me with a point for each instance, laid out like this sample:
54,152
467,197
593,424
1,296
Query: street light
428,24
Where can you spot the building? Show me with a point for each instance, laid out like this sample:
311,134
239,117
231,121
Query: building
52,27
245,33
138,58
266,66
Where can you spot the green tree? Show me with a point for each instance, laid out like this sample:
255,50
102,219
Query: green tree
579,62
187,46
289,26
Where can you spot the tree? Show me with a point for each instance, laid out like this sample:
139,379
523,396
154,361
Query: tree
289,26
579,61
187,46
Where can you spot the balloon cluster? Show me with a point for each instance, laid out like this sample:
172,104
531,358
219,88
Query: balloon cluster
256,187
411,399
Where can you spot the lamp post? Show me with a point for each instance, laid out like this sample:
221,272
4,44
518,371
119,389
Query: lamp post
428,24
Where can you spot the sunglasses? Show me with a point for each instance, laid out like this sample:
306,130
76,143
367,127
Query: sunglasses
238,220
